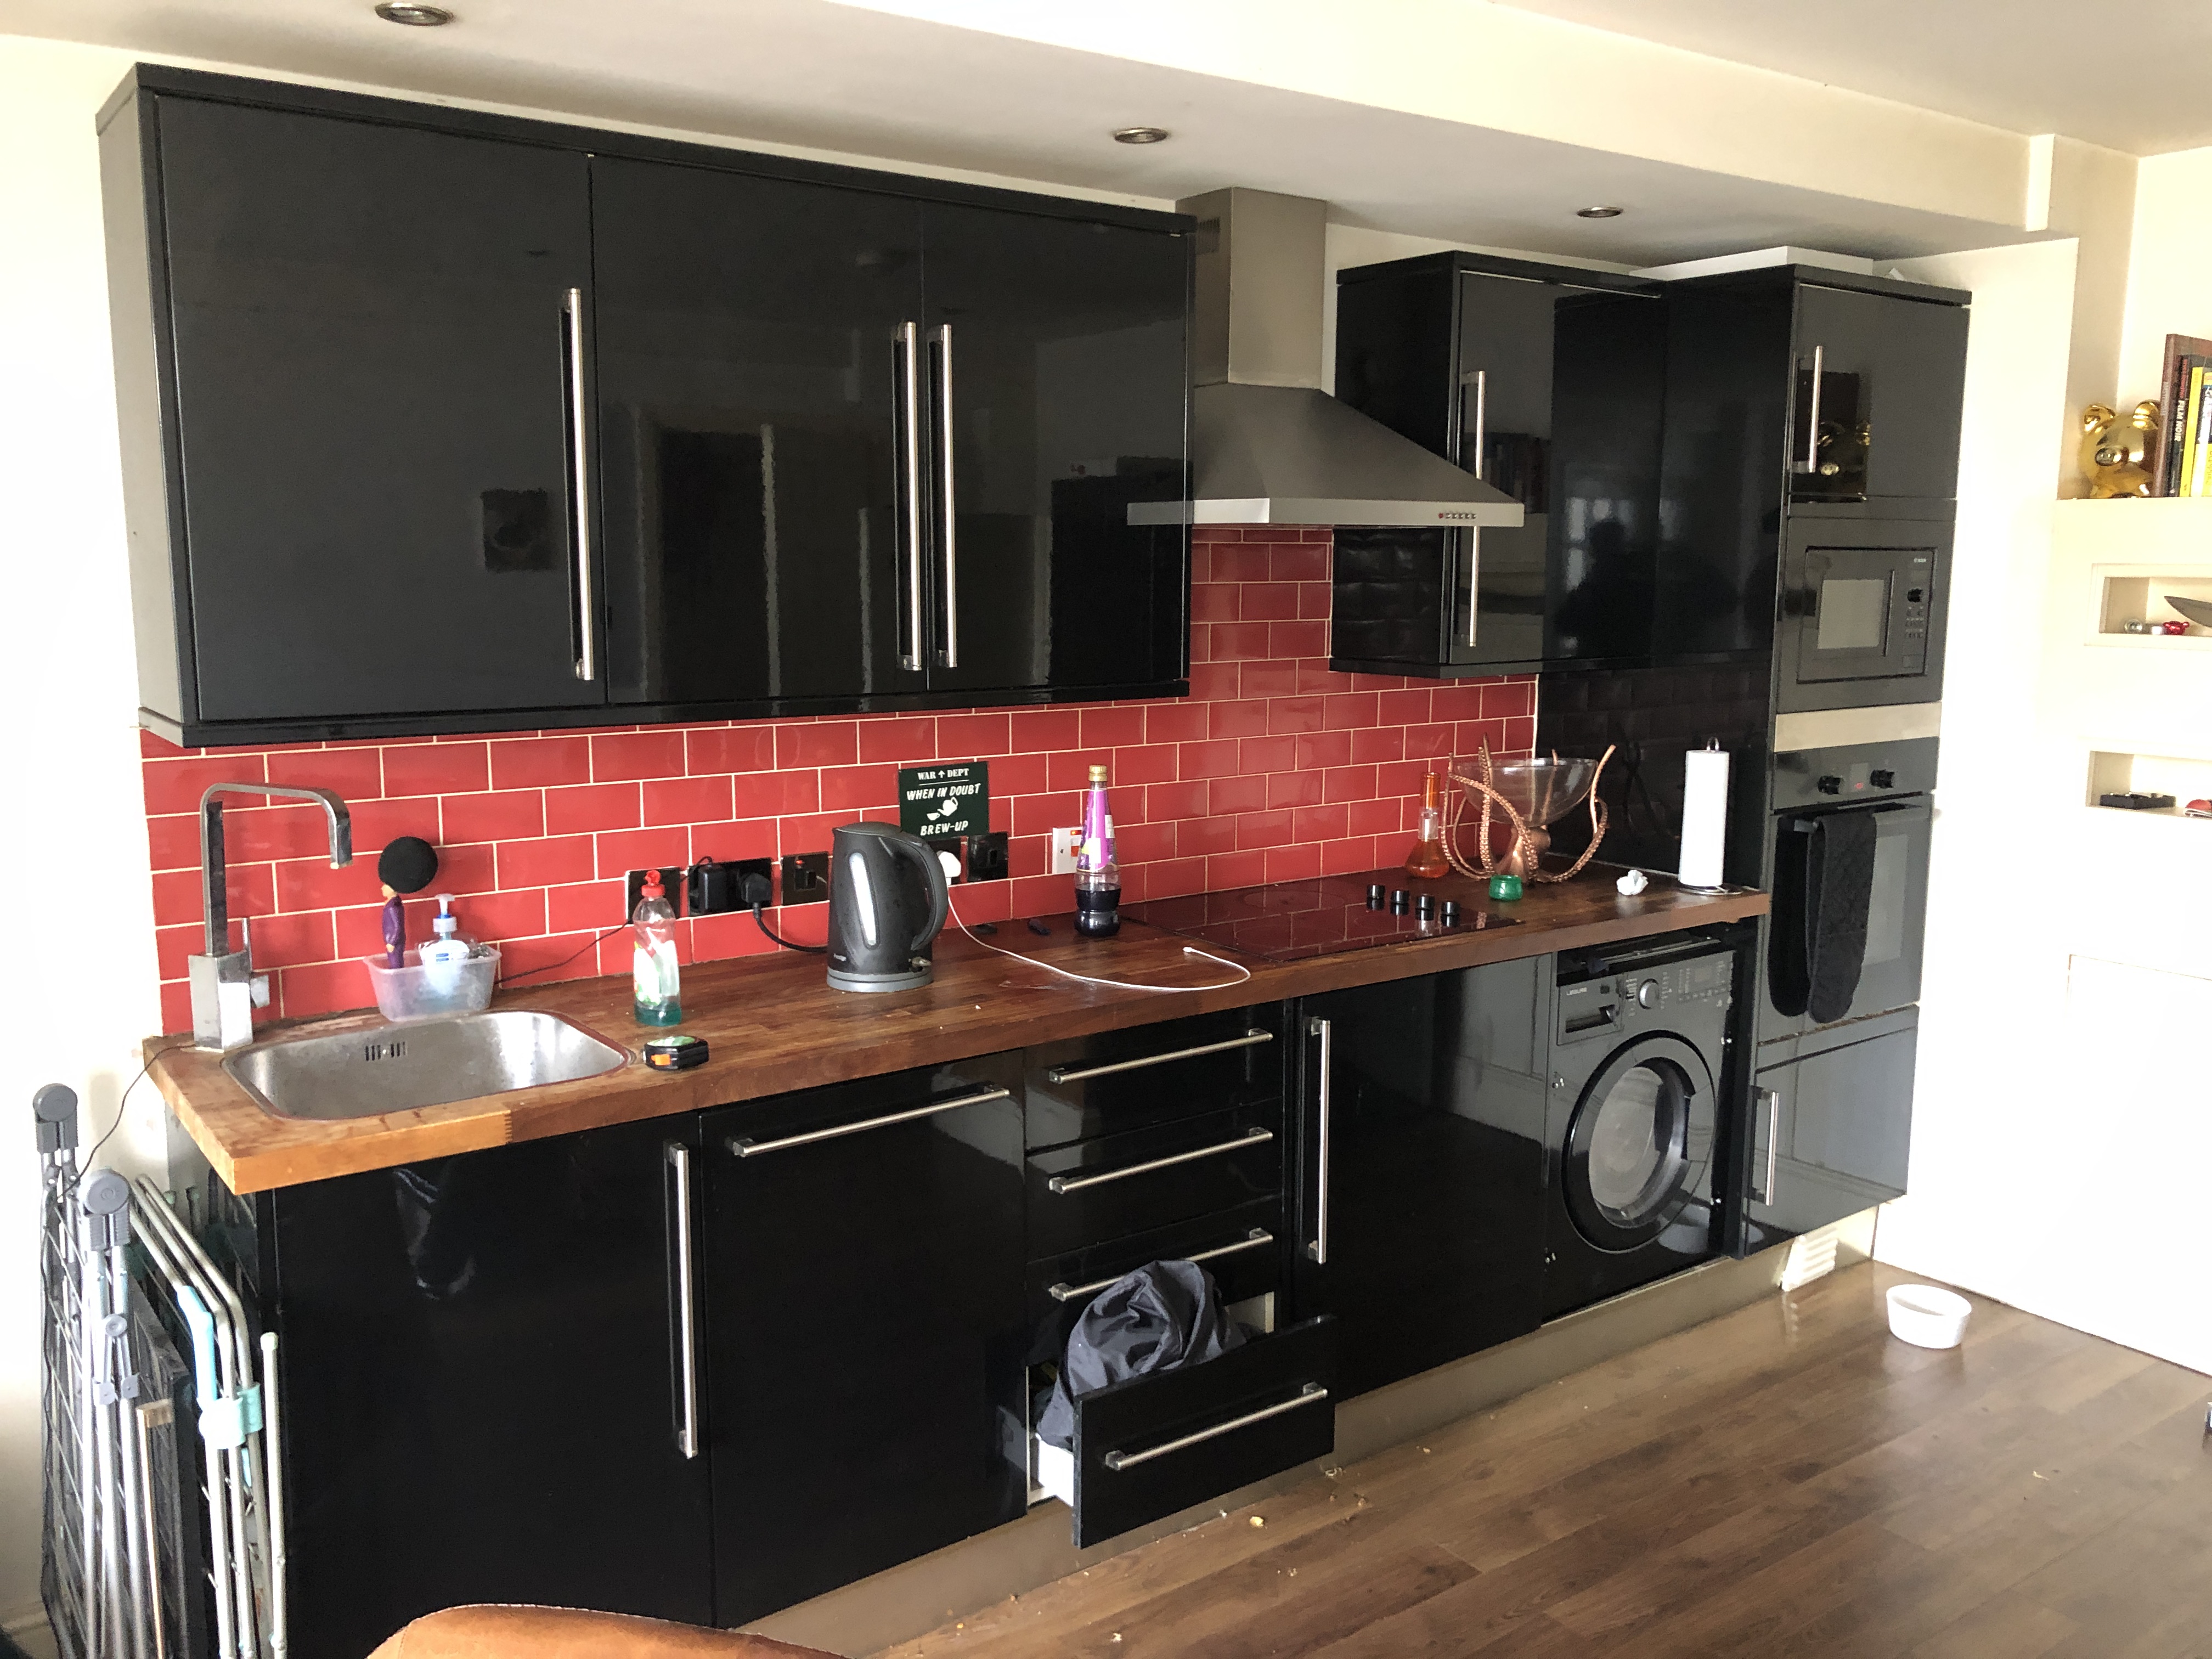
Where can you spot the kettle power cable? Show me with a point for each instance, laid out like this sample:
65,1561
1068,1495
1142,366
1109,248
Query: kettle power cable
1242,972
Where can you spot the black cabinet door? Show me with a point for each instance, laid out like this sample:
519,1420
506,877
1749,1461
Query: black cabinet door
1830,1133
862,1255
372,418
1545,382
1421,1200
1883,421
482,1401
1056,352
751,387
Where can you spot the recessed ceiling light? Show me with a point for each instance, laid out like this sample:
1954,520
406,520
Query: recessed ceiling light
419,17
1599,213
1142,136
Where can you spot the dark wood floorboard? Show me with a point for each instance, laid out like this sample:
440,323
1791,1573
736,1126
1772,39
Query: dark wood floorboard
1788,1482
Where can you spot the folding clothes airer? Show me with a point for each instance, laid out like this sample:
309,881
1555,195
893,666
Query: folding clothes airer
130,1569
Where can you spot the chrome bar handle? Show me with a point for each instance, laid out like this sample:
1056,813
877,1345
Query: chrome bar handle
1474,534
687,1333
1076,1183
1064,1291
1077,1074
950,656
579,480
744,1146
1812,461
1319,1249
1311,1394
272,1466
1773,1098
909,343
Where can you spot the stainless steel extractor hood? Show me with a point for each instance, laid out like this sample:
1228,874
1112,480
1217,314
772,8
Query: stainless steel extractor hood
1268,445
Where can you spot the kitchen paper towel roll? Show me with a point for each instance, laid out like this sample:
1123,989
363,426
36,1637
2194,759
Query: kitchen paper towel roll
1704,815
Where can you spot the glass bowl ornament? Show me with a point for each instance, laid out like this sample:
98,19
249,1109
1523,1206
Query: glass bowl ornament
1517,802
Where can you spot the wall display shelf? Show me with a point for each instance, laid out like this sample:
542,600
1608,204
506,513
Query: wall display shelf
2113,772
2138,592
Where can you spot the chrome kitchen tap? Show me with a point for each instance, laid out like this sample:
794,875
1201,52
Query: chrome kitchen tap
222,979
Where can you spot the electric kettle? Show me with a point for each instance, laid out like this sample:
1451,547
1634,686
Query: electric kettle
887,900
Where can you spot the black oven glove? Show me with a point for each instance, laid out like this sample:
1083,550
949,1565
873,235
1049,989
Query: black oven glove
1824,884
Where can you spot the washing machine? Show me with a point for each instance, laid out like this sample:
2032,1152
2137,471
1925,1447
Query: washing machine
1638,1040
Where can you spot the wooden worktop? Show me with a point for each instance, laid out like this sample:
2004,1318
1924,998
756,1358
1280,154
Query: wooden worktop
774,1025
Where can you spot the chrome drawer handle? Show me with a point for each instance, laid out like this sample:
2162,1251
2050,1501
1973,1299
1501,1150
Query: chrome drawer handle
1309,1395
744,1146
1077,1073
1076,1184
687,1340
1064,1291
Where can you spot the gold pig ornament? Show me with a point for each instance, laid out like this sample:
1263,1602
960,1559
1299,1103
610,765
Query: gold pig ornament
2116,454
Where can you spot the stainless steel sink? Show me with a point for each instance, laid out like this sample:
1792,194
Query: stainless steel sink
428,1062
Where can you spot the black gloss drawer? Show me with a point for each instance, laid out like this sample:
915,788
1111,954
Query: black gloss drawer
1242,1248
1115,1185
1153,1445
1131,1079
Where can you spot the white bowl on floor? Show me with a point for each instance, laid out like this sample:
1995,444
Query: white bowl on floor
1927,1317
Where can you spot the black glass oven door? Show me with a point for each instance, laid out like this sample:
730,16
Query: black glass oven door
1897,910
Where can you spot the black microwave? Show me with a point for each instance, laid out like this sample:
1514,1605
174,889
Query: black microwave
1861,613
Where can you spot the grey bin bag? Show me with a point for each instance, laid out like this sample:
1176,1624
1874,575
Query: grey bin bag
1162,1317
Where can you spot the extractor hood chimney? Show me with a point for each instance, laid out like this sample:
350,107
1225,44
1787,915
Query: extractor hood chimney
1268,445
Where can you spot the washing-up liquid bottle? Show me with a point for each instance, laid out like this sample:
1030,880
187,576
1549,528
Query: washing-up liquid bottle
652,970
442,955
1097,877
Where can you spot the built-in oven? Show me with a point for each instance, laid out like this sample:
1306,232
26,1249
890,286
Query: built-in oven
1848,870
1862,613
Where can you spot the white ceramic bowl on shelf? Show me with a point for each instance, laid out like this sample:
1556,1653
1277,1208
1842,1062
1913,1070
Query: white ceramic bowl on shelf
1927,1317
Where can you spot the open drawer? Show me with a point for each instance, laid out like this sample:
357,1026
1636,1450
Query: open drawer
1149,1447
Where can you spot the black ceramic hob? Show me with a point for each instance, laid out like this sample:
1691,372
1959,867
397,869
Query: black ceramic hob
1285,921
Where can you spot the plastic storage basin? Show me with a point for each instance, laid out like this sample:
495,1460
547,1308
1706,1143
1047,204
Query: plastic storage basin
414,992
1927,1317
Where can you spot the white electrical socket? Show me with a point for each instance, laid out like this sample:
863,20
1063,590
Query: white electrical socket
1065,844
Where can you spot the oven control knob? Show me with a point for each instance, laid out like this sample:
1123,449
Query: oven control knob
1882,778
1647,994
1830,785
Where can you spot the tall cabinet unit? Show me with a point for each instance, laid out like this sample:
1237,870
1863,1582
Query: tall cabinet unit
441,422
1544,381
1807,504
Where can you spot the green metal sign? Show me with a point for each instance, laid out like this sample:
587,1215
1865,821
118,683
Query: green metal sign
947,802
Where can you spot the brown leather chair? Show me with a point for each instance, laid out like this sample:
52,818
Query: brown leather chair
489,1632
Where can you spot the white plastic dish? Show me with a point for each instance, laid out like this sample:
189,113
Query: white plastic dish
414,992
1927,1317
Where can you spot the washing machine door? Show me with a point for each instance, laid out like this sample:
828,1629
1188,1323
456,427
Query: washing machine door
1638,1147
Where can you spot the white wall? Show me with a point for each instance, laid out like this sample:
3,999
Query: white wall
2168,292
78,987
2058,1130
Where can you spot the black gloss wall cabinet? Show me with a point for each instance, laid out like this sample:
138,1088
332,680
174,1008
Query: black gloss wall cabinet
862,1255
1421,1196
481,1385
441,422
347,358
1545,381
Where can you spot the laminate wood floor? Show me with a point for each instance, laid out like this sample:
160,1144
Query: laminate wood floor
1787,1480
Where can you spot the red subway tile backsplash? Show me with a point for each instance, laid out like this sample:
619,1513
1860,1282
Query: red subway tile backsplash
1274,768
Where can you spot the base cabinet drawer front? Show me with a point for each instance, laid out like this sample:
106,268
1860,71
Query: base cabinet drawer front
1153,1445
1118,1081
1242,1248
861,1254
1116,1185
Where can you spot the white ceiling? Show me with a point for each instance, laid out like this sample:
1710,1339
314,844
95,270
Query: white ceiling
2133,80
819,76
